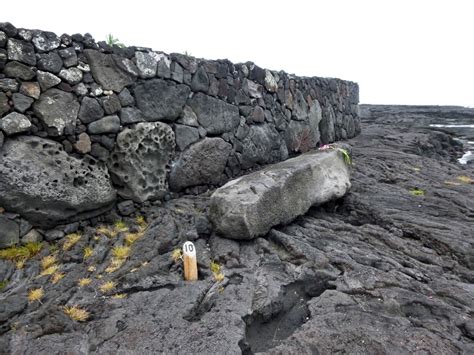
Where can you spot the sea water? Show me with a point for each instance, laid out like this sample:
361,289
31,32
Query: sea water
463,132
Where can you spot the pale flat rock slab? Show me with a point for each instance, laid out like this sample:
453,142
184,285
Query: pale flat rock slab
250,206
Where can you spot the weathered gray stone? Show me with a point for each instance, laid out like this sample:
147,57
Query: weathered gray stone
139,161
69,57
83,144
14,123
185,136
90,110
257,115
203,163
21,103
270,82
50,62
327,126
2,139
126,208
163,70
80,89
100,152
9,85
106,70
47,80
46,41
111,104
57,110
3,39
72,75
147,64
3,58
18,70
177,73
126,99
31,237
215,115
262,145
8,29
200,81
250,206
188,117
161,100
108,124
47,187
21,51
4,105
9,232
253,89
31,89
129,115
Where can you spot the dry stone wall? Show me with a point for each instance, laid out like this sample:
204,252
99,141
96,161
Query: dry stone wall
145,123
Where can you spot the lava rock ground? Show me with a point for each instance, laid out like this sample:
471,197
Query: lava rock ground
380,271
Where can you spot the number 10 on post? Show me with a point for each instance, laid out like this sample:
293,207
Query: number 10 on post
190,262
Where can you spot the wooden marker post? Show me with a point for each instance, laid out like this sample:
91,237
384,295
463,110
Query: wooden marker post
190,262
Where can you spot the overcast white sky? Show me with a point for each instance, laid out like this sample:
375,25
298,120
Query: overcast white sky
400,52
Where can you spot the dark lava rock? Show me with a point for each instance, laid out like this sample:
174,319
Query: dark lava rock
21,103
9,232
4,105
161,100
108,124
90,110
19,70
126,208
47,80
50,62
21,51
46,186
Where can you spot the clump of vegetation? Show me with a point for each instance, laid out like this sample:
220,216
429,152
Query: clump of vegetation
114,265
176,255
113,41
121,252
120,226
345,155
84,282
48,261
108,232
57,276
76,313
50,270
417,192
3,284
119,296
216,271
107,286
35,294
91,268
88,251
465,179
71,240
131,238
19,254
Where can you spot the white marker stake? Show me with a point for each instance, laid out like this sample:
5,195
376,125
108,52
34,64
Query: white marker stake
190,262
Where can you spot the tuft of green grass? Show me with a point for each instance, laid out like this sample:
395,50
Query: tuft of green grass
417,192
120,226
48,261
14,253
113,41
35,295
177,255
108,232
57,276
84,282
3,284
346,156
33,248
215,267
107,286
131,238
121,252
88,251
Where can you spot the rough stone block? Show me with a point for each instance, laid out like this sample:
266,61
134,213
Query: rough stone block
250,206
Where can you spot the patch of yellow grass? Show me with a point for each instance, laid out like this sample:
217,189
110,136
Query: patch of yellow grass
48,261
88,251
84,282
120,226
33,248
57,276
107,286
71,240
35,294
215,267
131,238
108,232
465,179
14,253
219,277
120,296
121,252
176,255
50,270
114,265
20,264
76,313
140,220
91,268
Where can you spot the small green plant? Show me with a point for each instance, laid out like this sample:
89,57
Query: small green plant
120,226
107,286
121,252
346,156
216,271
3,284
417,192
187,53
177,255
88,251
34,248
84,282
35,295
112,41
57,276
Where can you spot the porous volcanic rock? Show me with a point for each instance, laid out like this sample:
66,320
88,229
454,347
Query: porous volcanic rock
46,186
139,161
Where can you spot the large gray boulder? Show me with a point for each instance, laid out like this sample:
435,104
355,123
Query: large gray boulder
57,110
161,100
9,232
47,187
202,163
215,115
250,206
139,162
110,71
